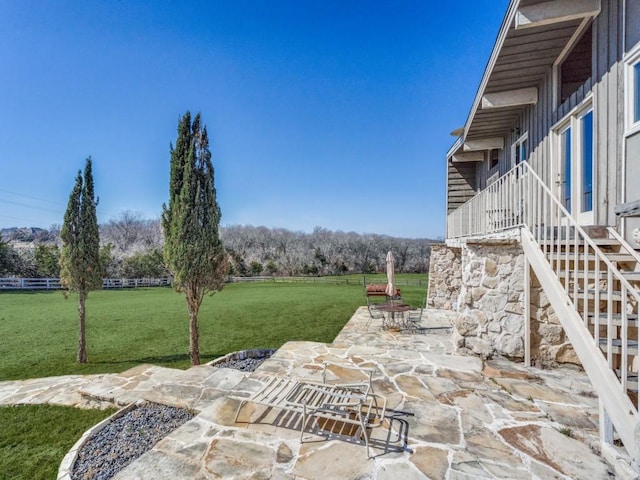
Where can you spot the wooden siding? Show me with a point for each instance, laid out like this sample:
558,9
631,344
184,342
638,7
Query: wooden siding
461,184
605,88
633,24
606,83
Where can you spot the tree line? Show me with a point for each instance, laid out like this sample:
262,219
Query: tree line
132,247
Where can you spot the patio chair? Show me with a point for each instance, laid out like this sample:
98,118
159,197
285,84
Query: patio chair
344,411
413,320
374,314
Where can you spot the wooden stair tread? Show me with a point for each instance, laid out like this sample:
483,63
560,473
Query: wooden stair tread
616,319
616,346
591,274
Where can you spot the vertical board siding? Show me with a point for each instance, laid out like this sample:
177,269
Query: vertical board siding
607,85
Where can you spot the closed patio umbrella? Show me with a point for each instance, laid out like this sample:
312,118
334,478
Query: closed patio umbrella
391,289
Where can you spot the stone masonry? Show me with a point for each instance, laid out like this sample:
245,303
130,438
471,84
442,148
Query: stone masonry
549,343
490,319
484,281
445,276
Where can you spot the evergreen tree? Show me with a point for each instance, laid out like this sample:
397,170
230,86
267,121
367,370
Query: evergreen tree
80,267
193,251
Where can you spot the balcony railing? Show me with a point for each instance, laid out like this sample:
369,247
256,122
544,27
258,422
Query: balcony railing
497,208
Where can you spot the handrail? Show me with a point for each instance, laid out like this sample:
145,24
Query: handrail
521,199
571,222
518,212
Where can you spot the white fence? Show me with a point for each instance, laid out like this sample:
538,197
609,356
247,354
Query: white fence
54,283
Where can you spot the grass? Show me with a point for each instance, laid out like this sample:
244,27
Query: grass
35,438
129,327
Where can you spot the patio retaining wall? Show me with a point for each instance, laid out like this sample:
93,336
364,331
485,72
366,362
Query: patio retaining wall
445,276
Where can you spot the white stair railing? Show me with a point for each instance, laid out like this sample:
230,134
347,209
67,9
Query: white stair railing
593,285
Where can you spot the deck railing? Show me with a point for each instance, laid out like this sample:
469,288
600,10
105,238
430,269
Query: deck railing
497,208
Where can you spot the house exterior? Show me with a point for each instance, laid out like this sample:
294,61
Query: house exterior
541,257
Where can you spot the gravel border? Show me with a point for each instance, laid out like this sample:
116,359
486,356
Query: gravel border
113,444
244,360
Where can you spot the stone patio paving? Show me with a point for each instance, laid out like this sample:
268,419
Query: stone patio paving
471,419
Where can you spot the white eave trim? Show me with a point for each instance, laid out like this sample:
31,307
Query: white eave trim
510,98
555,11
468,157
482,144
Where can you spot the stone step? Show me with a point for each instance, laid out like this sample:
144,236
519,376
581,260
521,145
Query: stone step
129,386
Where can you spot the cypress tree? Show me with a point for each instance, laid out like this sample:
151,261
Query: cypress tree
80,268
193,251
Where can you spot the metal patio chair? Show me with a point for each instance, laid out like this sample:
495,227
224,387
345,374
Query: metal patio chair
413,321
374,314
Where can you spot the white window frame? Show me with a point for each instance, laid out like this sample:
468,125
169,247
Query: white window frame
632,59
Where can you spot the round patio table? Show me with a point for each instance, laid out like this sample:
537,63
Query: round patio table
392,308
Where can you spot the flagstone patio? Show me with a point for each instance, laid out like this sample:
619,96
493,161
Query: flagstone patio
470,419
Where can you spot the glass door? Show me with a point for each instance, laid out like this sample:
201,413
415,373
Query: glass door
575,166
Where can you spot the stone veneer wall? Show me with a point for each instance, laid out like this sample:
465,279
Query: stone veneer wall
445,276
490,319
549,343
484,281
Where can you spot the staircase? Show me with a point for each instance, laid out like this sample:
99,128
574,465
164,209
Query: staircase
591,277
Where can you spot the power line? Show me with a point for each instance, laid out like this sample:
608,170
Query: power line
22,219
30,197
34,207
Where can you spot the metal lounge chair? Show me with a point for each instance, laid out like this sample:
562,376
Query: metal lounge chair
344,411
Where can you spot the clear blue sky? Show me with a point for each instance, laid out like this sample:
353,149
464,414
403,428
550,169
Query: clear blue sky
320,113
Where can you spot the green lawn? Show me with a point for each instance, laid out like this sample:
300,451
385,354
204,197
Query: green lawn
38,336
128,327
35,438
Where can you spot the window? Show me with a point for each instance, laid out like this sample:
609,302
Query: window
586,161
520,150
632,90
494,158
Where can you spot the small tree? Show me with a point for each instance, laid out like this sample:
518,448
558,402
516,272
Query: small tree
47,259
193,251
80,266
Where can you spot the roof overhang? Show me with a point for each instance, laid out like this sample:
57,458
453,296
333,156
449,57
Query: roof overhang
534,34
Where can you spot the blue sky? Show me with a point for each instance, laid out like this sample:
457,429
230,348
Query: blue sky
320,113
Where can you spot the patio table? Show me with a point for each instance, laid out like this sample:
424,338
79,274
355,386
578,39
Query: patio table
393,321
